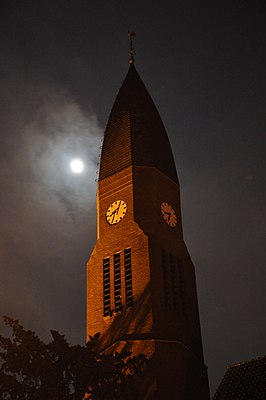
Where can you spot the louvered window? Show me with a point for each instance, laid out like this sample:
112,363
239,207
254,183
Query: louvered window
117,282
128,277
166,279
173,268
182,287
106,287
117,294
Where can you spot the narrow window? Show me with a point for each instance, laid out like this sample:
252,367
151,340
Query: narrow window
173,268
117,282
106,287
128,277
182,286
166,285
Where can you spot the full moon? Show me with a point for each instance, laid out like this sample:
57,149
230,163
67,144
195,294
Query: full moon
76,166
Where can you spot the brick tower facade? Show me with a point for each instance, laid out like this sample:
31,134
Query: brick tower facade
141,290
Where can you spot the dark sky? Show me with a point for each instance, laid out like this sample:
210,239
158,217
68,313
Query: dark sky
61,65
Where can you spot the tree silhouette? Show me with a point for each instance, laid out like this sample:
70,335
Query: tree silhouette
32,369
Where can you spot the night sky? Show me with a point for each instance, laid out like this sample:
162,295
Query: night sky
61,65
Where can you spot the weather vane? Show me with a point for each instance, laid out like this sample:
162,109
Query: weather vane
131,47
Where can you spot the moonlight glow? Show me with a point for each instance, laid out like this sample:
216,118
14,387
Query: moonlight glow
76,166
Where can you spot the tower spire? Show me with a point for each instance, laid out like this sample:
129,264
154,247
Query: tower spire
141,291
131,47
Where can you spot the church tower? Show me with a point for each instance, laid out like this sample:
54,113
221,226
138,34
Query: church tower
141,290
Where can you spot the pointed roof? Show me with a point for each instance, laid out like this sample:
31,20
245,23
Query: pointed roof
135,134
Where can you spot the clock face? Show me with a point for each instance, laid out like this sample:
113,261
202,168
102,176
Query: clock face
116,212
168,214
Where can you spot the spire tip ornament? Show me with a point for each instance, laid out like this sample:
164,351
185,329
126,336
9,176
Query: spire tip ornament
131,47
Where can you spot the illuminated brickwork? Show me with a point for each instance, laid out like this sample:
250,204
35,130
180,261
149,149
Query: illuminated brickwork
141,290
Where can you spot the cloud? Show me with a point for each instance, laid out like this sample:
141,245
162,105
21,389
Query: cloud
47,213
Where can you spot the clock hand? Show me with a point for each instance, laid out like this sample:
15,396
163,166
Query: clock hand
115,212
169,215
118,208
